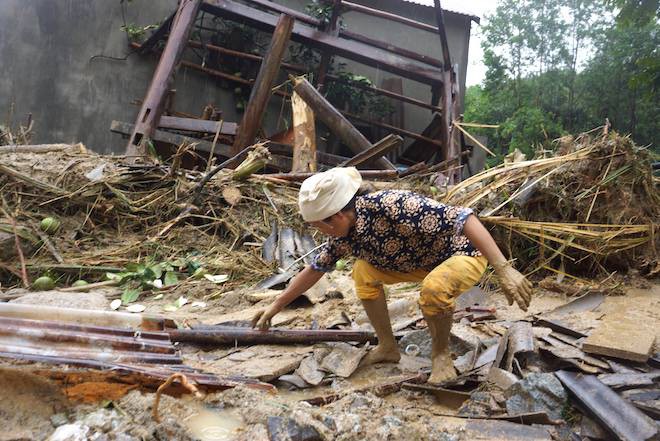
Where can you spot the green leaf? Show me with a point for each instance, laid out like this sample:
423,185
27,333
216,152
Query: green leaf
157,270
134,267
129,296
170,278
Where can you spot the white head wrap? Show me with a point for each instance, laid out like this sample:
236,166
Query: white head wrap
324,194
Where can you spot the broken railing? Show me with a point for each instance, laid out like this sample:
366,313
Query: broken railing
293,25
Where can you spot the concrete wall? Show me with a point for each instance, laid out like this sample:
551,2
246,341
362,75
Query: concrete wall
46,50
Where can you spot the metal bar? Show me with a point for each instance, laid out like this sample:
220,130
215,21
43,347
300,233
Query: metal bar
398,130
154,102
300,69
335,121
381,148
101,330
384,175
623,420
340,46
261,91
225,335
386,93
388,16
88,339
112,356
197,125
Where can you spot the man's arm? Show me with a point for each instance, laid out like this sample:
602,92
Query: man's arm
515,285
299,284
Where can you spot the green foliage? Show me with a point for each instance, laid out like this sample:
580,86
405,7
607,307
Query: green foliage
556,66
136,33
345,95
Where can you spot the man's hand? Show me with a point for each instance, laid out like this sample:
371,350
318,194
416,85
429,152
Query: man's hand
263,317
515,285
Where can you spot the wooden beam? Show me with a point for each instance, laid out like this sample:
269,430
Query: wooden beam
154,102
353,50
335,121
261,91
197,125
381,148
304,133
258,58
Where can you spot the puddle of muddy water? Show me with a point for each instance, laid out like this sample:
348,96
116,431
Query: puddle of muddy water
215,425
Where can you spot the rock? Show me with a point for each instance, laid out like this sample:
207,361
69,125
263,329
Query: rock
284,429
420,338
309,370
99,420
343,360
59,419
70,432
538,392
359,401
294,380
79,300
480,404
501,378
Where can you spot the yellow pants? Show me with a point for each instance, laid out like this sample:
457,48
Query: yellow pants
440,287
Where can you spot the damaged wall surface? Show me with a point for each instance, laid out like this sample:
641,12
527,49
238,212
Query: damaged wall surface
51,66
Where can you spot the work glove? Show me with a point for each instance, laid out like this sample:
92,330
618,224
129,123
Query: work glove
263,317
515,286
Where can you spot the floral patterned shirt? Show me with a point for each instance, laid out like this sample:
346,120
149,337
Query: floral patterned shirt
400,231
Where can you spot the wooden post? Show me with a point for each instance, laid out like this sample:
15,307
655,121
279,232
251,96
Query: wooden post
154,103
335,121
304,132
261,91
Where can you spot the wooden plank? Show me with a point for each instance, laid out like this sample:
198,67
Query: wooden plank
621,337
335,121
340,46
382,175
197,125
381,148
154,102
304,133
618,416
261,91
400,131
326,56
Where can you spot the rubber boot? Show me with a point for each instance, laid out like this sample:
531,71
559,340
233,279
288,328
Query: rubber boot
443,365
387,349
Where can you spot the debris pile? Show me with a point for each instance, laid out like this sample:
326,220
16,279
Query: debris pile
595,205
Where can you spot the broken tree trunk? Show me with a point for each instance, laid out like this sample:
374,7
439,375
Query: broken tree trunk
226,335
263,84
154,103
304,132
335,121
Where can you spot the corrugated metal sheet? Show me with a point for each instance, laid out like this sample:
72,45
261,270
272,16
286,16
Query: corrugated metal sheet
109,349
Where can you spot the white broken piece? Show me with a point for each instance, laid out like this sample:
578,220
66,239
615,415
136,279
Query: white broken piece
115,304
136,308
198,304
96,174
216,278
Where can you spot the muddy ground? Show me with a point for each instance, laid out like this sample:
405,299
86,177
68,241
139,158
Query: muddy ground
35,408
